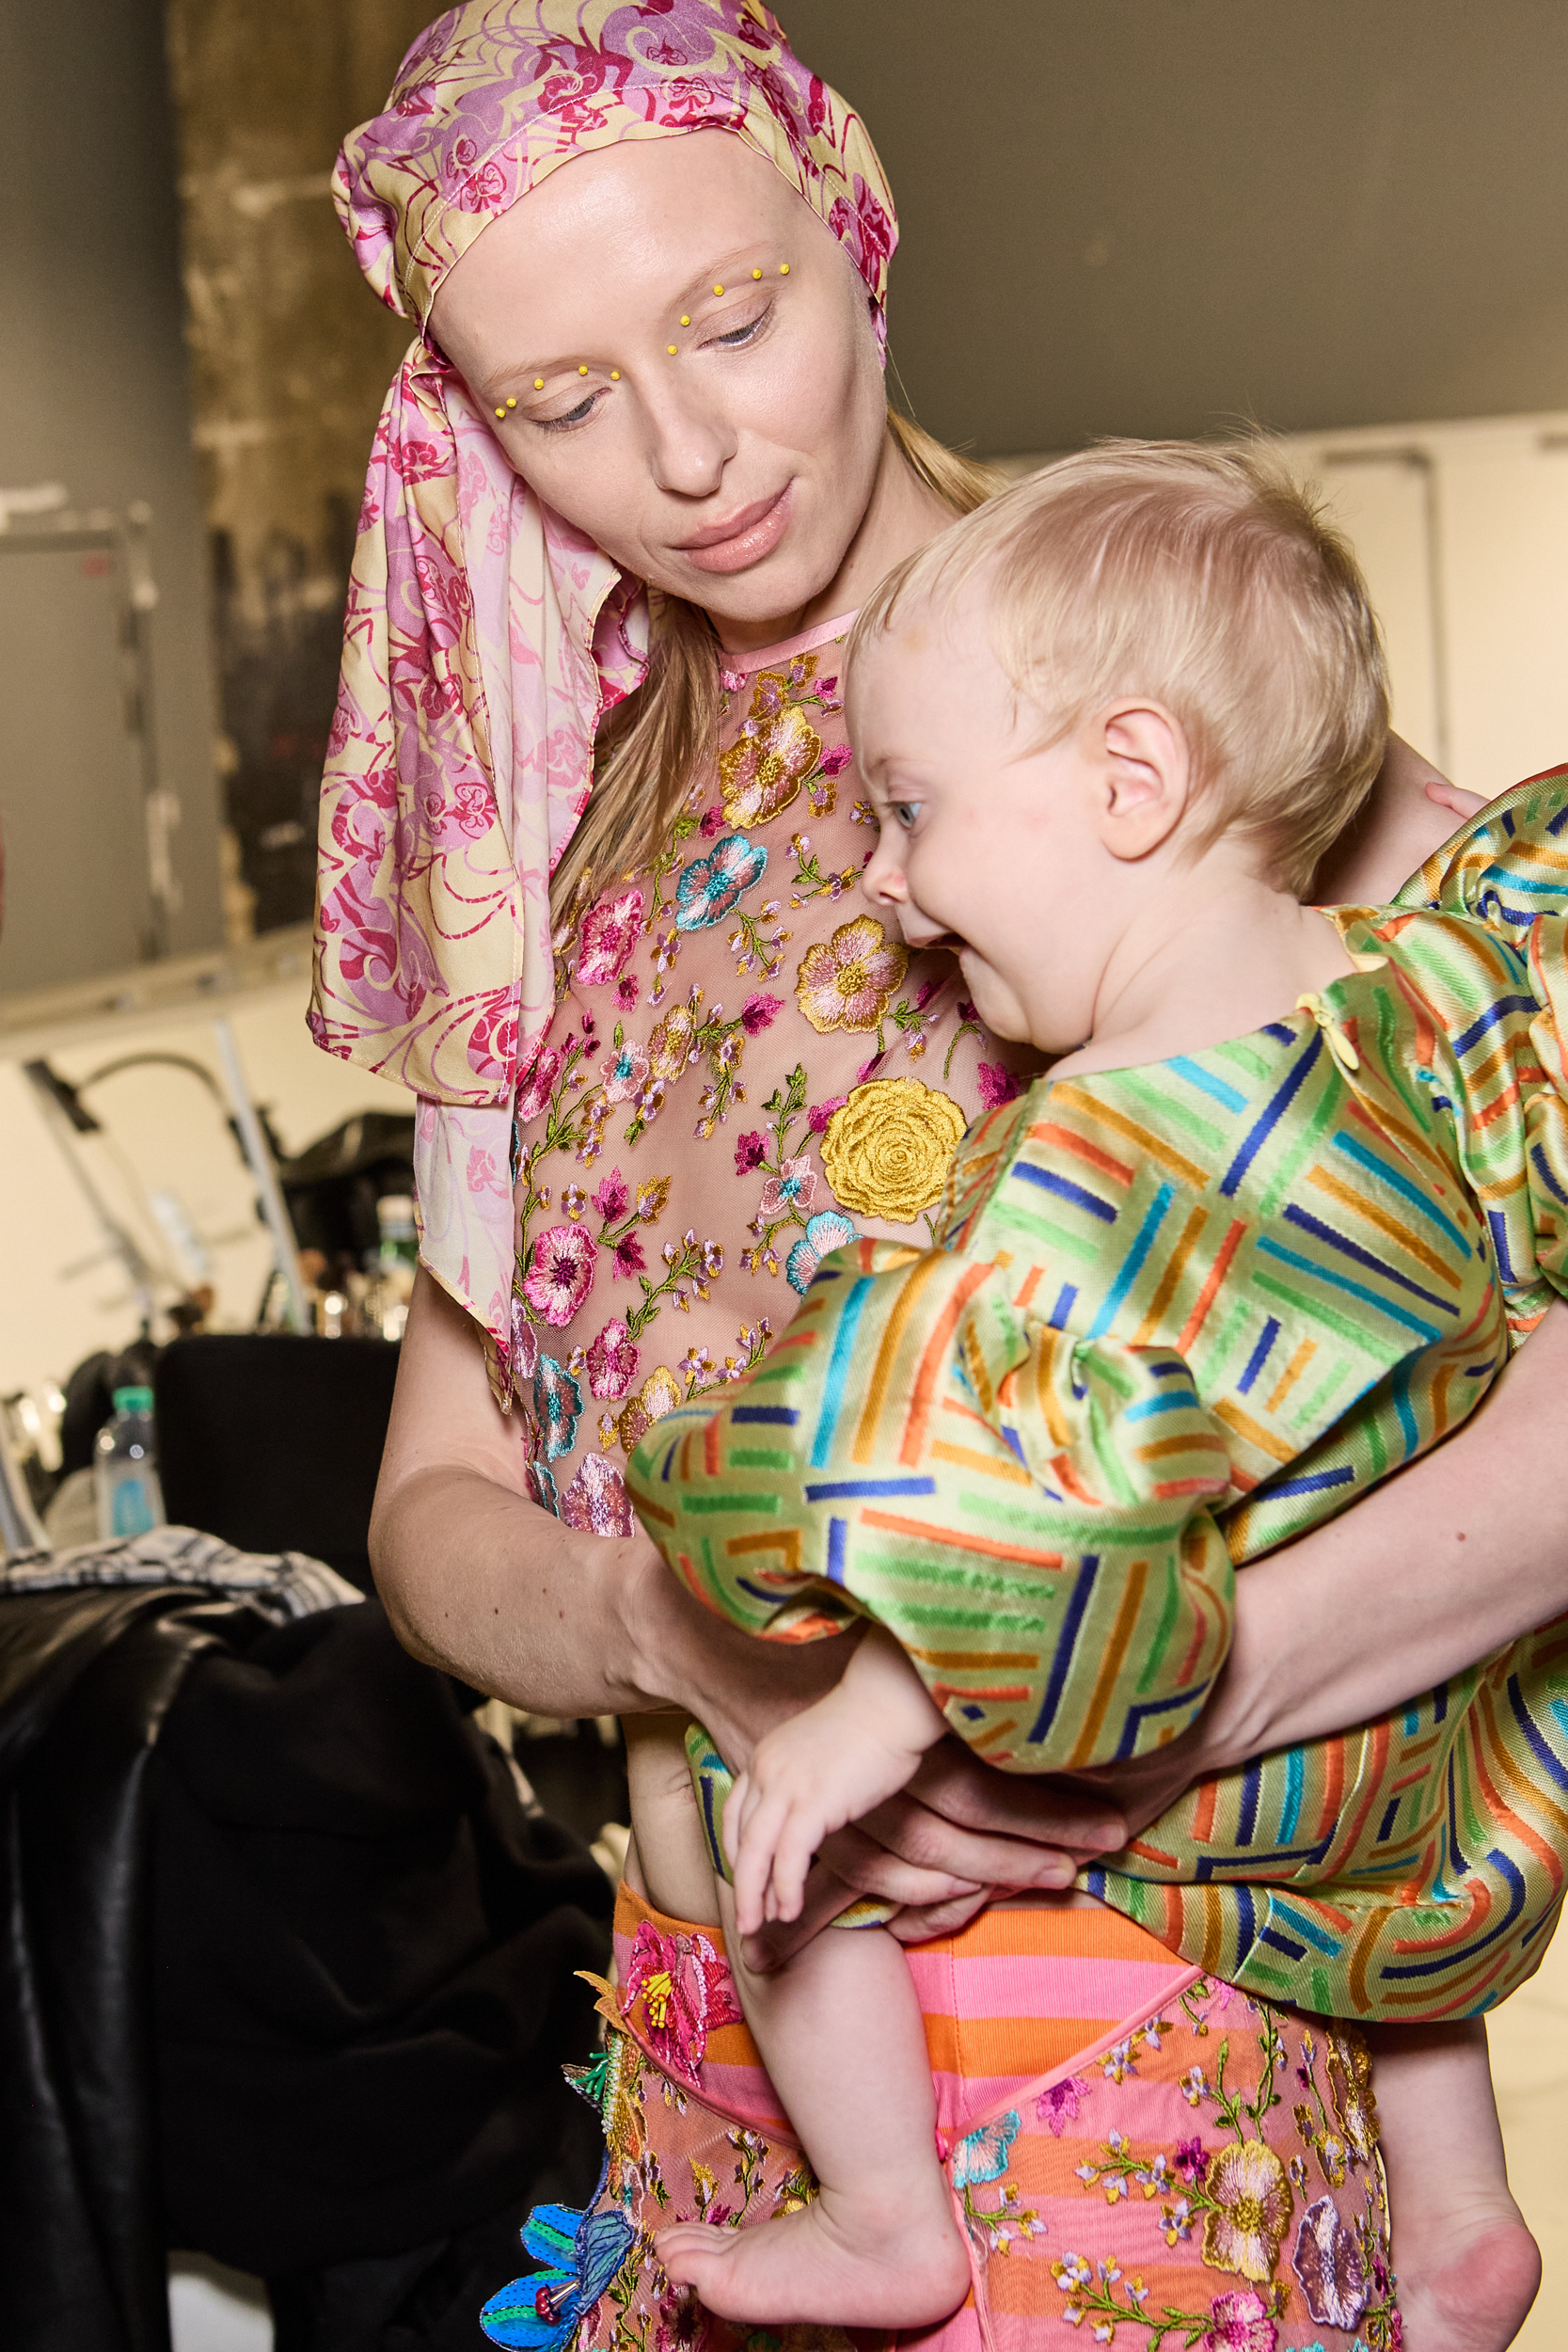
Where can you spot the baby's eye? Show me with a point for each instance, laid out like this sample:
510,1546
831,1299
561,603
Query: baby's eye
904,813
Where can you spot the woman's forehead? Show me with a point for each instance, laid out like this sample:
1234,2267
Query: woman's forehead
650,221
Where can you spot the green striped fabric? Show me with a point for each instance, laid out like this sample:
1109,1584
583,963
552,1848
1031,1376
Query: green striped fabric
1178,1316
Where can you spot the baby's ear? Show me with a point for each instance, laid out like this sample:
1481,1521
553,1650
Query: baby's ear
1141,752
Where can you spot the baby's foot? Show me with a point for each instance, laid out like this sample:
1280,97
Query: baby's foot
837,2262
1468,2288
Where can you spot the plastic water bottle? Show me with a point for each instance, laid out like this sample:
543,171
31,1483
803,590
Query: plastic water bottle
129,1500
396,1263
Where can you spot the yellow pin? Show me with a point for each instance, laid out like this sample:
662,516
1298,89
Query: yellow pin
784,269
538,383
756,273
685,321
719,290
502,413
511,401
615,375
582,371
671,349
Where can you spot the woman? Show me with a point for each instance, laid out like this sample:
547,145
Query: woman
675,346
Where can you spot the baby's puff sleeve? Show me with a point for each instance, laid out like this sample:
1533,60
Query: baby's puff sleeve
1028,1512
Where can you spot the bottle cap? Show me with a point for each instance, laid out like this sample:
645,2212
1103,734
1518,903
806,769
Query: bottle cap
132,1400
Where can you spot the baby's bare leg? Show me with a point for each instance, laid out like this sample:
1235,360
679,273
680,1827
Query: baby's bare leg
841,2032
1467,2267
669,1861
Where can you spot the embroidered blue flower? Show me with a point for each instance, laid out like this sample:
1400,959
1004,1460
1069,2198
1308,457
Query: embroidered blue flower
982,2156
583,2252
825,1233
710,885
557,1403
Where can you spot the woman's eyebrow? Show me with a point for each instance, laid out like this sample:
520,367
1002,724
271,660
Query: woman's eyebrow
741,264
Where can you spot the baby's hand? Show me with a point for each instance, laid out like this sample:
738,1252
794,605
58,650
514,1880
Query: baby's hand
824,1768
1450,795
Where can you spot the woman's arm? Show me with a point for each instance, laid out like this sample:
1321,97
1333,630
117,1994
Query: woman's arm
1410,811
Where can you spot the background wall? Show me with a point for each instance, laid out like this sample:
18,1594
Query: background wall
94,392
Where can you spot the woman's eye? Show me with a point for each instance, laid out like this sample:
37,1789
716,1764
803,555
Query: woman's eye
738,335
579,414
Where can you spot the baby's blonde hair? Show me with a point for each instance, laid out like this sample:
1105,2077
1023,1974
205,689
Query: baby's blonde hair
1206,578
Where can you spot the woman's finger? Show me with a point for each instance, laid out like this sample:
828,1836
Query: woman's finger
918,1926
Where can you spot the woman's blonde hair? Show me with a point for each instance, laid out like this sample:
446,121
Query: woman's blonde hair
650,748
1207,579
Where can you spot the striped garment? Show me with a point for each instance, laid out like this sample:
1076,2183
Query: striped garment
1178,1316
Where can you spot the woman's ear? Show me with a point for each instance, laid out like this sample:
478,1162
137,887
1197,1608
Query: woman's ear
1141,753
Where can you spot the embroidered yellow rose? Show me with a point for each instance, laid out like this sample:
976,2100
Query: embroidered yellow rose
845,982
888,1148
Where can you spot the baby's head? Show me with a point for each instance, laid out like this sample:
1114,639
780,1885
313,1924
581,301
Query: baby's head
1150,662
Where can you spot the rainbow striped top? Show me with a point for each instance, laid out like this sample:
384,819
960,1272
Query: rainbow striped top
1177,1315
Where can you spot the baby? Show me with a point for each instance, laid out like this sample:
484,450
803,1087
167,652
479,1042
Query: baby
1109,725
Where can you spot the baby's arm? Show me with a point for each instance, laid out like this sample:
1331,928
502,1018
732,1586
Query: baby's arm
824,1768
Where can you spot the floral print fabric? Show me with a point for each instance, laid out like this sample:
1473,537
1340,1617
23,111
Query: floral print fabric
485,637
746,1069
1196,2169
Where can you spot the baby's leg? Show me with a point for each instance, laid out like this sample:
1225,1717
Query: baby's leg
1467,2267
841,2030
669,1859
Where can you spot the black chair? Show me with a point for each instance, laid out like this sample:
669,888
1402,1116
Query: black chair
274,1442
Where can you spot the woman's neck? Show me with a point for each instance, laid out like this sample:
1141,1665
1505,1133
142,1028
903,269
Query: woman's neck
901,513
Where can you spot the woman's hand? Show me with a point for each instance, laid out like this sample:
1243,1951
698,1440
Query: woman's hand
959,1832
1405,818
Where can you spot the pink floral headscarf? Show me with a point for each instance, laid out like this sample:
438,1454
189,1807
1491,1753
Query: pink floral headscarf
485,637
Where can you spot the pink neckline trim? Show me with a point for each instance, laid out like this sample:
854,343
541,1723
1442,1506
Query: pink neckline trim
806,642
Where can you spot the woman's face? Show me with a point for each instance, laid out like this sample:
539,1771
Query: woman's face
692,361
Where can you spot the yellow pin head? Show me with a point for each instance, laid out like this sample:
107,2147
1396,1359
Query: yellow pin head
511,399
671,349
784,269
615,375
719,290
502,413
685,321
582,371
756,273
538,383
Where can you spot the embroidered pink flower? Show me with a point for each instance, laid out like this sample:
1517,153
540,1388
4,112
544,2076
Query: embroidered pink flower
837,756
997,1085
759,1012
846,983
685,1991
1250,2206
609,932
1058,2106
614,1198
628,1257
793,1187
1239,2322
612,1361
1328,2262
596,1501
819,1114
560,1273
623,1072
525,1344
540,1084
626,992
750,1151
713,819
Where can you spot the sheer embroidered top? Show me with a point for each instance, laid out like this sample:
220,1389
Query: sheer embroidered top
1171,1318
680,1169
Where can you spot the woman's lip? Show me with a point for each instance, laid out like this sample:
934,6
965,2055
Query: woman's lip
744,539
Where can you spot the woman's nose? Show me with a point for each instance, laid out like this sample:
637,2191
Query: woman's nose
693,443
